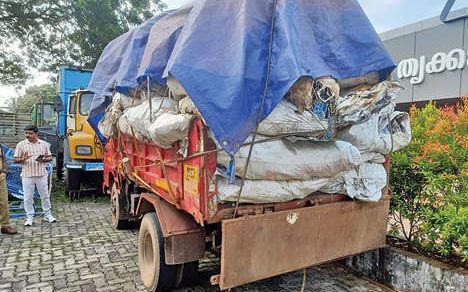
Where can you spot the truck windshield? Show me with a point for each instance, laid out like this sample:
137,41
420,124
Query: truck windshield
85,103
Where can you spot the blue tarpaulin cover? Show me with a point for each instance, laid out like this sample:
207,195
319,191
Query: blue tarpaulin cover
220,50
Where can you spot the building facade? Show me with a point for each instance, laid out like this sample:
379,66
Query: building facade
431,58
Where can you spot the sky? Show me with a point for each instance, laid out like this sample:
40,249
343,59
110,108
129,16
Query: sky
383,14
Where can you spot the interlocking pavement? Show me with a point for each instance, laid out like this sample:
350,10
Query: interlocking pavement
82,252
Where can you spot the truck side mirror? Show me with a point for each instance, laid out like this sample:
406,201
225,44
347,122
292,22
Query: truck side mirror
58,105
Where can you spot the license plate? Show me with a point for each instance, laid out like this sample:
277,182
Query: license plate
94,166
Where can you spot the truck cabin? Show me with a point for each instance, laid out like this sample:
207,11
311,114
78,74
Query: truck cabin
83,142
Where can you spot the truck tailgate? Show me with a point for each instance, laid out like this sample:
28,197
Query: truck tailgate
262,246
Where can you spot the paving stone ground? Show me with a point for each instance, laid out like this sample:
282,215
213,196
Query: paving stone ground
82,252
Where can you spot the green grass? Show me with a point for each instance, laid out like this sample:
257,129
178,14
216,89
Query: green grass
58,194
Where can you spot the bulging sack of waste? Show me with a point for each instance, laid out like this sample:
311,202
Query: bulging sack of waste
127,128
267,191
169,128
300,94
125,101
285,119
175,87
365,183
382,133
357,106
186,106
396,134
301,160
305,90
108,125
138,119
368,79
331,84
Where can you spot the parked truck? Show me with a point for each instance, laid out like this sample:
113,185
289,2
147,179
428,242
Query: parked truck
79,151
190,95
181,219
43,116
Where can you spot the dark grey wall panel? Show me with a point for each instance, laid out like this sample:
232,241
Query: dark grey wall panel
427,38
464,78
442,38
402,48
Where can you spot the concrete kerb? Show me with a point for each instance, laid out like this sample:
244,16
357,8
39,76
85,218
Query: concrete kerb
405,271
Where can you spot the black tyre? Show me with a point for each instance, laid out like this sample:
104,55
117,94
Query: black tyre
59,166
59,159
119,213
187,274
71,179
156,275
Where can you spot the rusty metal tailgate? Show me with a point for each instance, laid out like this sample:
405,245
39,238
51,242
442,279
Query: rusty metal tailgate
262,246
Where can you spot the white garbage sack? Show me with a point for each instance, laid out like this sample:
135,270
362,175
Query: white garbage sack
357,106
137,121
108,125
268,191
170,127
156,90
127,128
373,157
175,87
186,106
383,132
285,119
365,183
125,101
302,160
396,133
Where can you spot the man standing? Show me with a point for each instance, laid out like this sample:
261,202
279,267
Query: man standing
33,153
5,226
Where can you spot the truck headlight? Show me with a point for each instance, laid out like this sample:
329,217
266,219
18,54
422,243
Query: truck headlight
83,150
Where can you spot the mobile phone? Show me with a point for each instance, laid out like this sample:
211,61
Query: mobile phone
40,157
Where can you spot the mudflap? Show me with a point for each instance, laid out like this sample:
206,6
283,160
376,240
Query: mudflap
262,246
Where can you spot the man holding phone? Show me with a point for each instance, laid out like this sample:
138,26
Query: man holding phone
33,153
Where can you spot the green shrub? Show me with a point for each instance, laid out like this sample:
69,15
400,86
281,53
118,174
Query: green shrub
429,182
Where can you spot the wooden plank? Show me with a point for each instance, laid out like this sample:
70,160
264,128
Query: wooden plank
262,246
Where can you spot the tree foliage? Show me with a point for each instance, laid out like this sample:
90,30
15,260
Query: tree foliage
429,181
45,34
33,94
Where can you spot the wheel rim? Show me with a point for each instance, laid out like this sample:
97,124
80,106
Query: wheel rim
114,205
148,255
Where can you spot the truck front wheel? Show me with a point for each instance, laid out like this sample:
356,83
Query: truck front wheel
156,275
72,181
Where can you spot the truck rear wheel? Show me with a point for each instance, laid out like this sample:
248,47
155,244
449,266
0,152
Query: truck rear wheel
156,275
119,221
187,274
